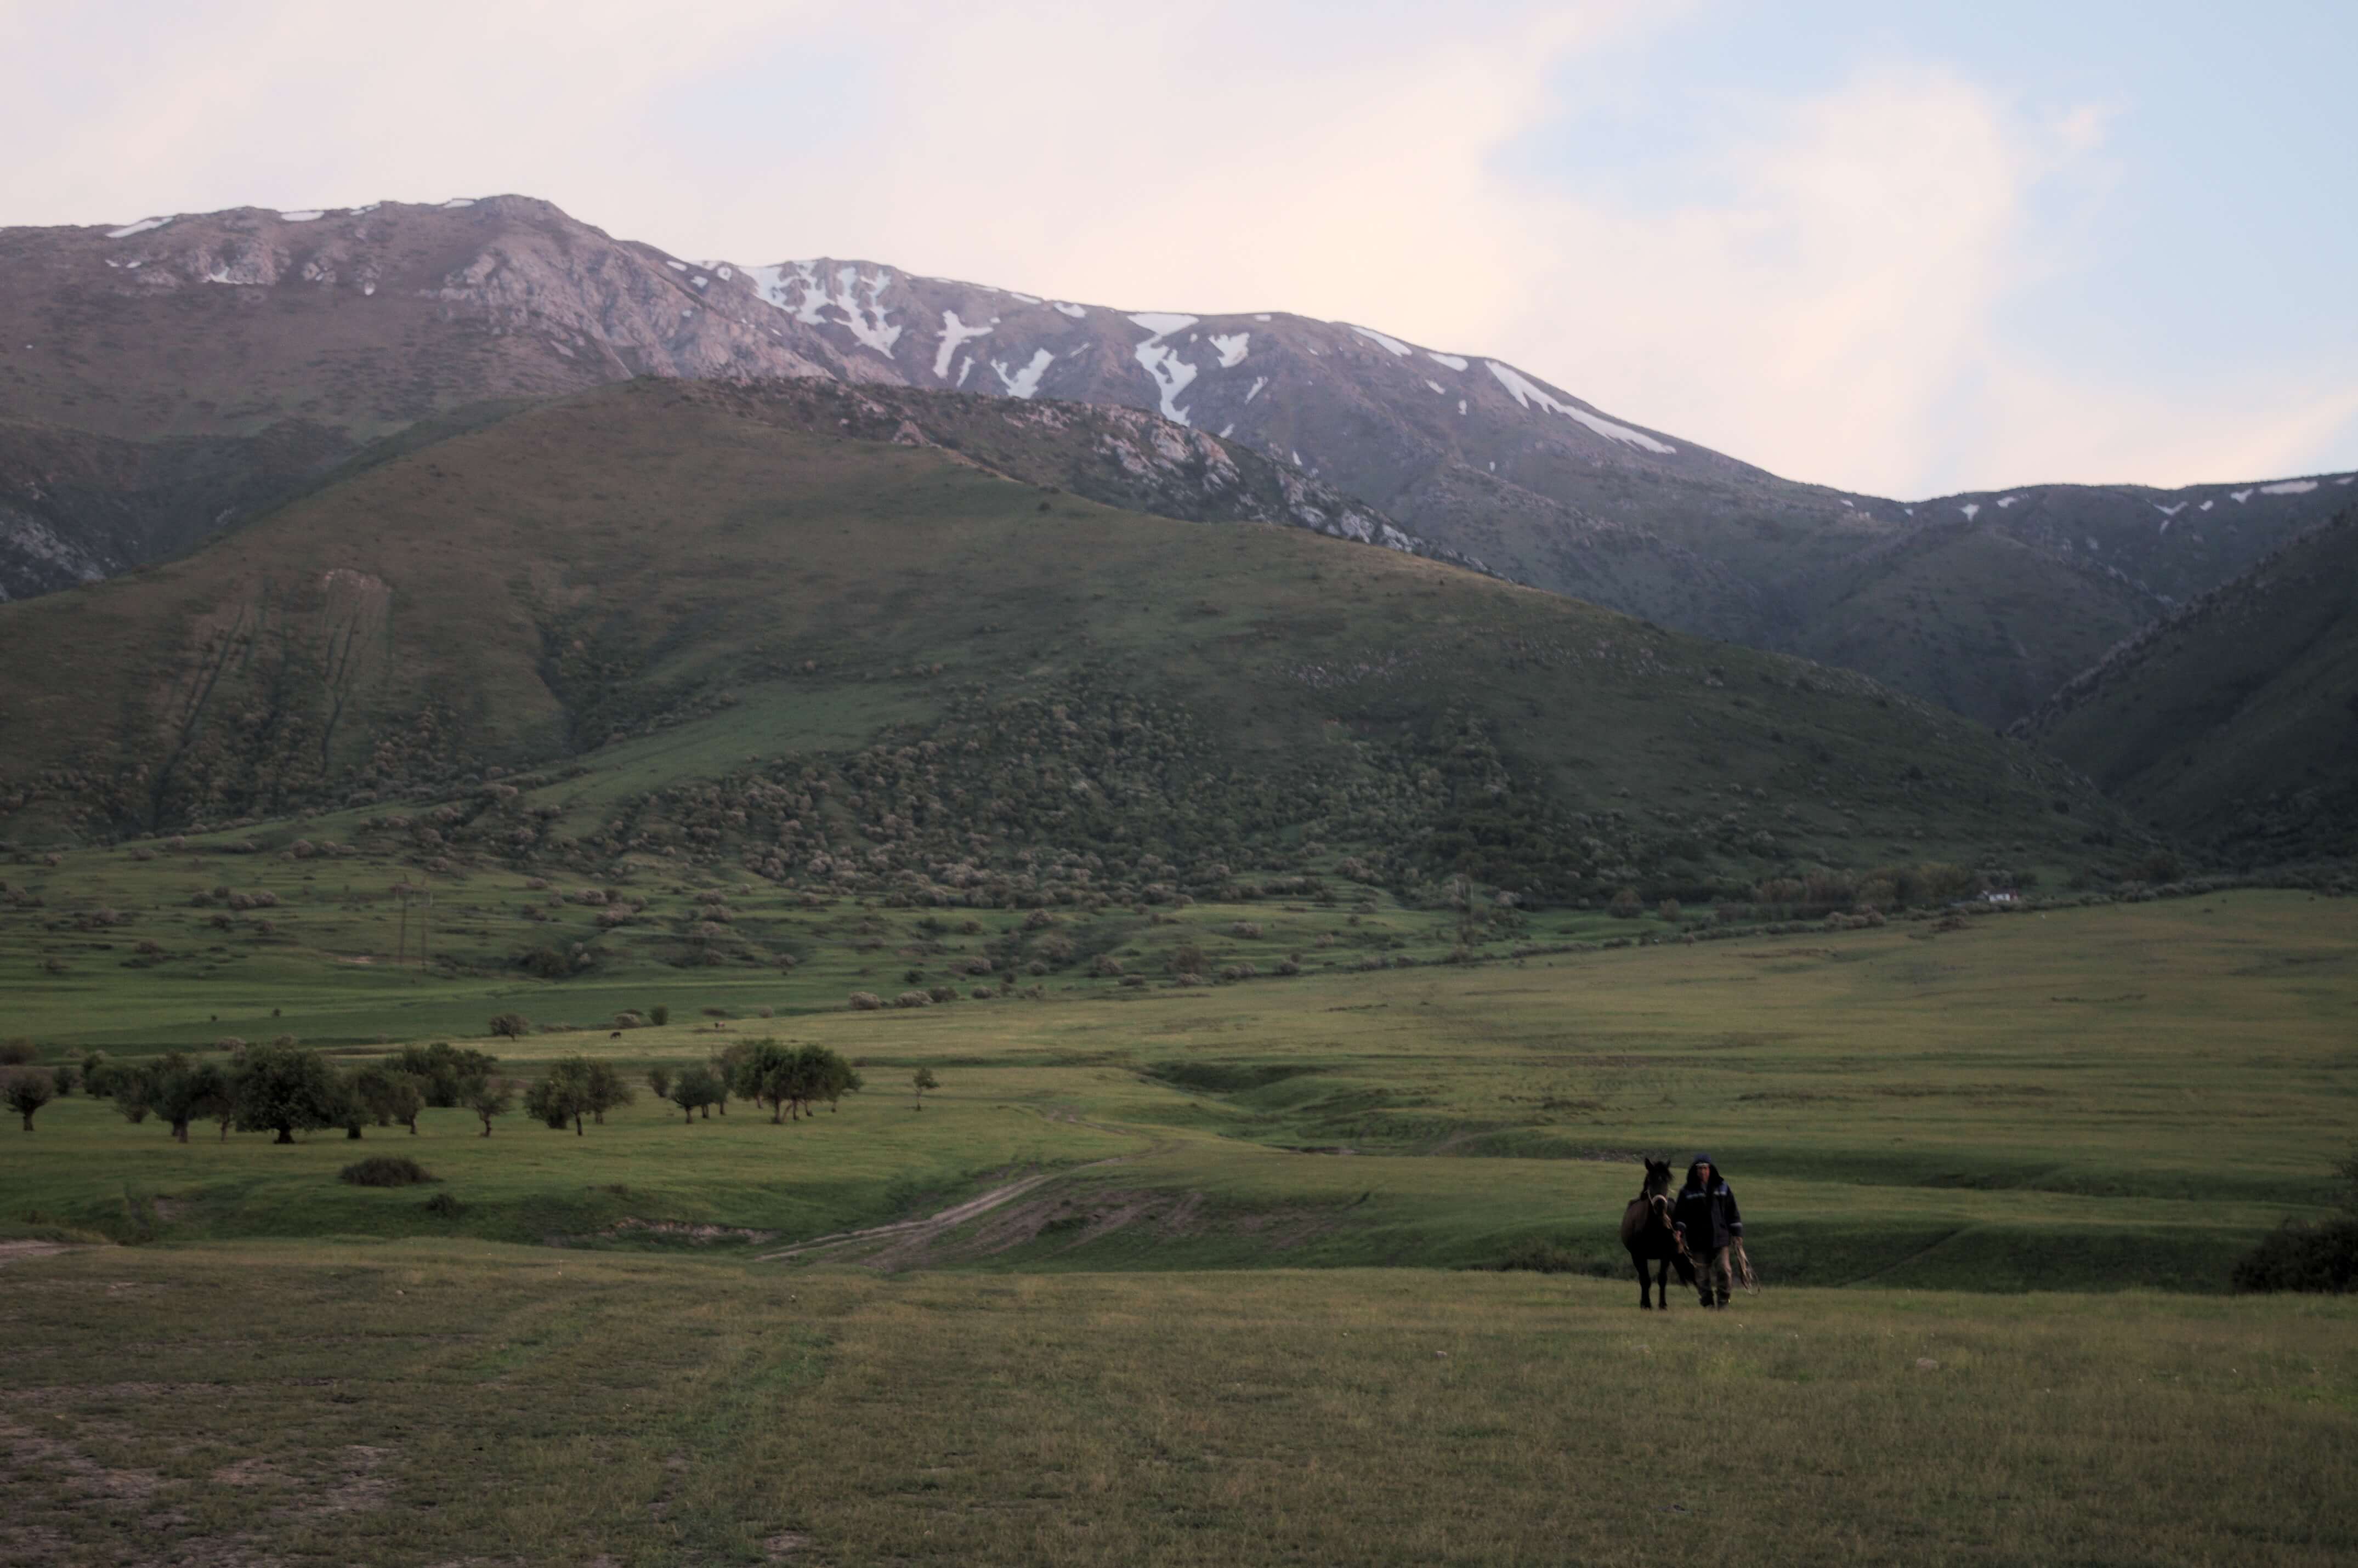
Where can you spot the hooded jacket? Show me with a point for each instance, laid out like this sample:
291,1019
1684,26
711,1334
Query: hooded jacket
1707,1214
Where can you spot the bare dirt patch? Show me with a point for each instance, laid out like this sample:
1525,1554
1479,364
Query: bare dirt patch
682,1230
19,1251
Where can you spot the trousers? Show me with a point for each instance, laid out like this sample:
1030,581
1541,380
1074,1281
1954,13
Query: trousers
1719,1274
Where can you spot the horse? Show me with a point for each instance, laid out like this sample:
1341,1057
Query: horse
1648,1233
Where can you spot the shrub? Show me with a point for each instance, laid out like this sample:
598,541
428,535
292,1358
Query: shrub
659,1015
510,1025
1669,910
912,998
2297,1257
865,1001
15,1052
1246,929
1626,905
545,964
384,1171
445,1206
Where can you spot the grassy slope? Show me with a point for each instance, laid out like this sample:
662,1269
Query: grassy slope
2233,719
1971,617
2073,1099
608,565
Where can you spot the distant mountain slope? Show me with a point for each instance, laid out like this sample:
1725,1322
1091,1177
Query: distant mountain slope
2235,720
265,332
694,575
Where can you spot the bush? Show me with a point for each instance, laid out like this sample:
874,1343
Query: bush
912,998
444,1204
510,1025
15,1052
659,1015
2297,1257
865,1001
1626,905
384,1171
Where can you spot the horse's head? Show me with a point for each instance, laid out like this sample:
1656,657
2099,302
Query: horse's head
1658,1178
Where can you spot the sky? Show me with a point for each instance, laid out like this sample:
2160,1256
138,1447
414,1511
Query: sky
1907,250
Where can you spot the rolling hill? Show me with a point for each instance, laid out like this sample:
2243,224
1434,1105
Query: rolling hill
2234,721
671,618
288,341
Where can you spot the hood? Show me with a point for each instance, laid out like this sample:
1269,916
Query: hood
1696,1164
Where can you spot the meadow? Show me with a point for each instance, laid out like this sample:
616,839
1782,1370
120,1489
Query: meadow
1213,1272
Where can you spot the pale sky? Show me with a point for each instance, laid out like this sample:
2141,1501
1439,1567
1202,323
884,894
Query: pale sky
1902,249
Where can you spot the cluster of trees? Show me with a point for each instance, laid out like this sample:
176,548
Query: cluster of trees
284,1088
279,1087
792,1080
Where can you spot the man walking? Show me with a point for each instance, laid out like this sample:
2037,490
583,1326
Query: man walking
1707,1218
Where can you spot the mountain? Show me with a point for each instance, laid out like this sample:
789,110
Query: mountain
2235,720
281,337
705,621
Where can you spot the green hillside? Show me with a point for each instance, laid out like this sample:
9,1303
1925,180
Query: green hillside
2236,721
664,618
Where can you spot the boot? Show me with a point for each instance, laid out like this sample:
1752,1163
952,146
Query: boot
1706,1299
1722,1299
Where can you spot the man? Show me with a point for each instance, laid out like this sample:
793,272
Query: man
1707,1217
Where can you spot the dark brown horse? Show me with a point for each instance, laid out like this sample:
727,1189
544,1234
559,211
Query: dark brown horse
1648,1233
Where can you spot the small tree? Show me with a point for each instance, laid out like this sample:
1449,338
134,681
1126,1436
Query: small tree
181,1088
447,1075
26,1090
576,1087
659,1015
284,1089
390,1095
659,1080
510,1025
488,1098
695,1089
921,1081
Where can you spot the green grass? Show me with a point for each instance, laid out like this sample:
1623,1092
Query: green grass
2077,1100
412,1402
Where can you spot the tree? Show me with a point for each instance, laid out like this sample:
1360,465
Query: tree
510,1025
390,1095
792,1079
26,1090
921,1081
488,1098
695,1089
181,1088
659,1080
659,1015
448,1075
576,1086
763,1072
284,1089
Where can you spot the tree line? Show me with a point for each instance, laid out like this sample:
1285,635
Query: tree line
284,1088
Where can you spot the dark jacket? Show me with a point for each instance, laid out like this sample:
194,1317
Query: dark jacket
1707,1214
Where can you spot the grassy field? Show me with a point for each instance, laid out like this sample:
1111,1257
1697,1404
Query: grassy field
1208,1275
2078,1099
413,1403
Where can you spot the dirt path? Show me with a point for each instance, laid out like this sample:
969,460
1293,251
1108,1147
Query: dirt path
10,1251
926,1227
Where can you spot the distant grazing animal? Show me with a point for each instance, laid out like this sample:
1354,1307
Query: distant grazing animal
1647,1232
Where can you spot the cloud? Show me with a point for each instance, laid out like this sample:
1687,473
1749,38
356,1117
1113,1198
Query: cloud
1831,295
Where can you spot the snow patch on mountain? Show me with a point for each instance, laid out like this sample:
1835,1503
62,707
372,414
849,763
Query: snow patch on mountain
869,320
141,227
1439,389
2289,487
1025,380
301,217
1074,311
954,332
2239,496
1258,382
457,201
1394,344
1528,394
1231,346
1161,361
1452,361
1971,509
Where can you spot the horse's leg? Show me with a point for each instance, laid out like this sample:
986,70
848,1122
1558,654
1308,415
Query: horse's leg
1644,1302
